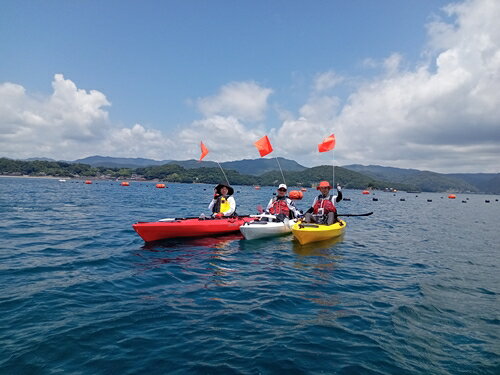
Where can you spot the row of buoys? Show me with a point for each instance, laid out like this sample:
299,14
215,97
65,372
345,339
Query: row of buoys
126,183
296,194
428,200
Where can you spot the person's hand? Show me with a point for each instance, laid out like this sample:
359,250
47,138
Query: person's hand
338,187
216,195
219,215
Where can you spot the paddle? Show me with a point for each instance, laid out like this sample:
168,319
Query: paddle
367,214
197,217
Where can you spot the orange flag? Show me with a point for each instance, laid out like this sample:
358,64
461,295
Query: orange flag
204,151
264,146
327,144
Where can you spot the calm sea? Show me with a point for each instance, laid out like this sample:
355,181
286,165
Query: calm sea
412,289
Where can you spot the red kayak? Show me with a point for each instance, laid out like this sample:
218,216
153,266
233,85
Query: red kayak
174,228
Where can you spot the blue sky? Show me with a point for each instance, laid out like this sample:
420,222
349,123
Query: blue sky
153,78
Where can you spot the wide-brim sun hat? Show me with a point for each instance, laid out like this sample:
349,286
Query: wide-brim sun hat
229,188
324,184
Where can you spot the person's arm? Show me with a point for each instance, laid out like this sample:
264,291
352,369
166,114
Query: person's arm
311,209
269,205
232,206
291,207
216,195
339,194
211,205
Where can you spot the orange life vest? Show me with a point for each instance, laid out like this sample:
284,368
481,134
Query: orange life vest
279,206
325,203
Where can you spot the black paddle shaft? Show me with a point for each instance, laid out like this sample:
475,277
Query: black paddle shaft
367,214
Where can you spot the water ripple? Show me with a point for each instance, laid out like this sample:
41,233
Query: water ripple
397,294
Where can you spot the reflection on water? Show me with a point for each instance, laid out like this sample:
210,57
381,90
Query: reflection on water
316,248
203,257
210,242
323,251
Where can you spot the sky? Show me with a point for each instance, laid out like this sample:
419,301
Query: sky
408,84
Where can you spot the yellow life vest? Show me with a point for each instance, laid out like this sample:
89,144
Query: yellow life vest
224,205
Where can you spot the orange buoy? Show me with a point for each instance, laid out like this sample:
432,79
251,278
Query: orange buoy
88,182
452,196
303,189
366,192
257,187
160,186
295,194
124,183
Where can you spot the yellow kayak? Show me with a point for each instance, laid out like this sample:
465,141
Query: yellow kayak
306,233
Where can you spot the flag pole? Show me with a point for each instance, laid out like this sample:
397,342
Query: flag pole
333,165
222,170
282,175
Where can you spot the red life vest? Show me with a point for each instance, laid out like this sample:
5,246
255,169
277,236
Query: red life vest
325,203
280,207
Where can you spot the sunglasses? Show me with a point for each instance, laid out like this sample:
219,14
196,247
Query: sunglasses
281,189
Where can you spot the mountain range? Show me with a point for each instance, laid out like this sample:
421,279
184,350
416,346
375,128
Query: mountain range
400,178
254,167
432,181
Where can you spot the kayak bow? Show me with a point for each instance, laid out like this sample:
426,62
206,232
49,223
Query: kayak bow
266,225
160,230
306,233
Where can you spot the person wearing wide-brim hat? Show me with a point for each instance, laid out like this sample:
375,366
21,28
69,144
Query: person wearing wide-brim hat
223,203
323,210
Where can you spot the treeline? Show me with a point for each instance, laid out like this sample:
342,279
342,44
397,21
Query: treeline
176,173
58,169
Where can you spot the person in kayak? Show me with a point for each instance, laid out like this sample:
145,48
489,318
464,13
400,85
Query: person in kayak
282,206
323,210
223,204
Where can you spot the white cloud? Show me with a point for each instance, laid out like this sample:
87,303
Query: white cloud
68,124
300,136
326,81
225,137
442,115
246,101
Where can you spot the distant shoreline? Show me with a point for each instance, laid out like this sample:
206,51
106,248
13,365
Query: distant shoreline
68,179
77,179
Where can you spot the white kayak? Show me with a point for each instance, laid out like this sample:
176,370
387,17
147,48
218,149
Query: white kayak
266,225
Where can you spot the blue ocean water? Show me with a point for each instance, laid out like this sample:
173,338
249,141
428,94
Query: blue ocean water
412,289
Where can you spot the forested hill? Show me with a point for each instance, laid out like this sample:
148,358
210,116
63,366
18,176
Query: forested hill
247,166
408,180
176,173
431,181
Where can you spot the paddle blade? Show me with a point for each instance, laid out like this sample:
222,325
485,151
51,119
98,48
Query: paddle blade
260,209
264,146
327,144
